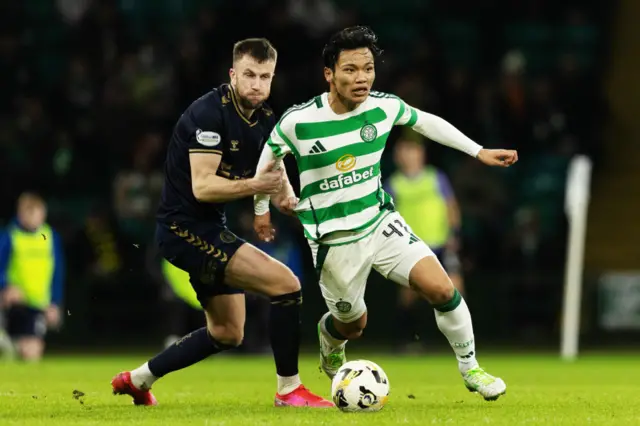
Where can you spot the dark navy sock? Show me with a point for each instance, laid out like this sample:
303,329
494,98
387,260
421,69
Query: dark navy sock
284,332
192,348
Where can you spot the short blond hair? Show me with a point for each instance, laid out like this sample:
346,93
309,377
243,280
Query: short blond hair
27,198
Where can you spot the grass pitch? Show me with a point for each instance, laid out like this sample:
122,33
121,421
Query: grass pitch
425,390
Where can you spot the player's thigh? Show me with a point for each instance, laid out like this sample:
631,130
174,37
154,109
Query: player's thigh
252,269
405,259
226,315
342,272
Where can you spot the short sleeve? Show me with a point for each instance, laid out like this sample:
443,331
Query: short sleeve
205,137
407,116
280,140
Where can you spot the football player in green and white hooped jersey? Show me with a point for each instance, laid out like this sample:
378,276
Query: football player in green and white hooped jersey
338,139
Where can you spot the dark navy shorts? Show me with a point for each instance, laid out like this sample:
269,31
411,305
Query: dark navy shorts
204,251
25,321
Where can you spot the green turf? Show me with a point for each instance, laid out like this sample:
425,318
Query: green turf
425,390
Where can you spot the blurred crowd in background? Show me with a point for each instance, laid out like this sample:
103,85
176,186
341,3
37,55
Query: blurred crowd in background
92,88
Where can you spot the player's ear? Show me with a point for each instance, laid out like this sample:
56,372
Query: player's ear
232,75
328,74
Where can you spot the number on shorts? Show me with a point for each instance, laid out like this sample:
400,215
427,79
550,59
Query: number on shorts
393,229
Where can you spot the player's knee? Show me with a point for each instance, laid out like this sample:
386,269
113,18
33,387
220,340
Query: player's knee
352,330
431,281
30,350
228,335
283,282
439,294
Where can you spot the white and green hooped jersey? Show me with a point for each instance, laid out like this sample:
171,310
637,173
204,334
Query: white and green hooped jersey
338,157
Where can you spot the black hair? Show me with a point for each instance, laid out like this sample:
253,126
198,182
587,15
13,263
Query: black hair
259,49
348,39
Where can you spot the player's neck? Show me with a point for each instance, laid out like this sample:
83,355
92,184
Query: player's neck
246,112
339,104
412,173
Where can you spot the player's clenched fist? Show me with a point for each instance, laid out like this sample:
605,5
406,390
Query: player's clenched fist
286,204
263,228
498,157
267,181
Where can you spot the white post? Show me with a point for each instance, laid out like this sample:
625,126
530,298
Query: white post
576,207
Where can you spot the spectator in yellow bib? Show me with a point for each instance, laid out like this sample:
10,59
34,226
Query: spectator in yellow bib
31,277
423,195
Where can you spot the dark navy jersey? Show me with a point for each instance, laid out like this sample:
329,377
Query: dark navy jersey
212,125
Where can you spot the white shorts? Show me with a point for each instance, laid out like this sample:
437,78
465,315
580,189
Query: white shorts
391,249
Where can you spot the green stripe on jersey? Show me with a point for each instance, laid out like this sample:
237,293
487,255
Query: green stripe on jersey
308,162
413,119
342,181
400,113
325,129
340,210
277,151
286,140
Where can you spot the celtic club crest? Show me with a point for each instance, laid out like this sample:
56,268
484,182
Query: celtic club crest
368,133
343,306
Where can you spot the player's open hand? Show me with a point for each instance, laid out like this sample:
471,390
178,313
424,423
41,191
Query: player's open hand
267,181
263,228
498,157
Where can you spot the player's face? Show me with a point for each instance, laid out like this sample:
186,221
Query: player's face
252,81
353,75
31,215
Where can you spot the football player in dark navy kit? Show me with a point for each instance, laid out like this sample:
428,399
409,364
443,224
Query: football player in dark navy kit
211,160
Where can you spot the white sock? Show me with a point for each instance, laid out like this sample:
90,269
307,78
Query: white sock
457,327
142,378
288,384
329,339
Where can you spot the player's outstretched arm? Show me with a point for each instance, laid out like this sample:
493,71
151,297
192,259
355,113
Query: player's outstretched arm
441,131
208,187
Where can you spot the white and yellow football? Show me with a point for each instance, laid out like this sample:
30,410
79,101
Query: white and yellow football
360,386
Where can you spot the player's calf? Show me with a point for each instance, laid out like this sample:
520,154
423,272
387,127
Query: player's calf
225,316
251,269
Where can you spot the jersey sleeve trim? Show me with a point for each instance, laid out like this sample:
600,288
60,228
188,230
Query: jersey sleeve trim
286,140
414,118
204,151
277,151
400,113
